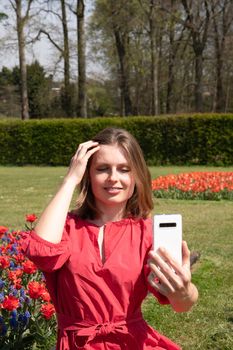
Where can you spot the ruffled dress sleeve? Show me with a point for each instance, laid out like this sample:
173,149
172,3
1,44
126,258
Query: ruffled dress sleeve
149,246
47,256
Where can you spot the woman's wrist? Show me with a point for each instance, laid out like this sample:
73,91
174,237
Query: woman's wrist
70,181
185,302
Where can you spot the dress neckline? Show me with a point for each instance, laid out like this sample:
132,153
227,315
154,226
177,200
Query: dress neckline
118,222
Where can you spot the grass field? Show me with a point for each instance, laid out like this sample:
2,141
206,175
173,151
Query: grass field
207,226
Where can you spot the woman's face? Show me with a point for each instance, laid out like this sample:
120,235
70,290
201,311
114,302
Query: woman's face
111,177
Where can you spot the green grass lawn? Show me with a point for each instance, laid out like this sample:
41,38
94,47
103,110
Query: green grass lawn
207,226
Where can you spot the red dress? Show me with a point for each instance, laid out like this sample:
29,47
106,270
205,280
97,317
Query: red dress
98,304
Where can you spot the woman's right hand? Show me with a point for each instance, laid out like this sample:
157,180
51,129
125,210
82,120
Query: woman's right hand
79,161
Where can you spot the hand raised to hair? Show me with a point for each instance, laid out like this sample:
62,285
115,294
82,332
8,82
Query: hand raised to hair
172,279
79,161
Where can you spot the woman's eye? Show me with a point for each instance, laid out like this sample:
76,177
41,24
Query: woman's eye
125,170
102,169
105,168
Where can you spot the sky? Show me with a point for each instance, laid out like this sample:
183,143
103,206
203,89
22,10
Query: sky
43,50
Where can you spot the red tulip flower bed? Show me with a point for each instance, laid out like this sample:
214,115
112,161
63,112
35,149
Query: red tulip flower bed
195,185
27,315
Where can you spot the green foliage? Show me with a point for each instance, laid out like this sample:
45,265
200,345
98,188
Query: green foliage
174,193
68,100
100,99
6,76
3,16
191,139
39,90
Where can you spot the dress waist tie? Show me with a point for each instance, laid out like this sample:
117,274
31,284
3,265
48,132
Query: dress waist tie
91,329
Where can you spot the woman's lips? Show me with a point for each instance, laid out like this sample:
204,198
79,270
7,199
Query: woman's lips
113,190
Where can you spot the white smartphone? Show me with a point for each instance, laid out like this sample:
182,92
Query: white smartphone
168,234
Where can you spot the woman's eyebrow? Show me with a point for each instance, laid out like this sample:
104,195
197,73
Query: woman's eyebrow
106,163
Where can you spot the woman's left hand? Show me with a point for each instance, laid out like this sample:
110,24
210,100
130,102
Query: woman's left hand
171,279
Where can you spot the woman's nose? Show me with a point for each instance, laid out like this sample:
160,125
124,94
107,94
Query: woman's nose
113,175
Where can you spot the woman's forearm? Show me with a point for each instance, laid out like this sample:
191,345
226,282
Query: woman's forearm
51,222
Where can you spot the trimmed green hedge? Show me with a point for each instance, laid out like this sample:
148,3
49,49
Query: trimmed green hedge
181,139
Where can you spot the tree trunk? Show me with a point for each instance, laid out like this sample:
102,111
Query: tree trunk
154,61
222,22
22,62
220,98
121,43
170,83
173,49
171,62
66,55
198,81
197,22
82,96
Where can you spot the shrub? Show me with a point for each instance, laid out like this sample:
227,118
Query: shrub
181,139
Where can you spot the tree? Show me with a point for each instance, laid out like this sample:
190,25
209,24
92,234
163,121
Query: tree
6,77
66,56
222,18
175,40
64,50
121,34
115,35
21,21
154,58
197,22
81,55
100,98
39,91
153,32
82,98
9,93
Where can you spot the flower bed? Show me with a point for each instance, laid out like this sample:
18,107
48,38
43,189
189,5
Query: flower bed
27,316
195,185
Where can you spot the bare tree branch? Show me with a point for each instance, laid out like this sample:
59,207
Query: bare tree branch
50,39
13,5
28,9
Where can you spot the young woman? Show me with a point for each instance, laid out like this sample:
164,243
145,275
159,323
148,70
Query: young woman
98,260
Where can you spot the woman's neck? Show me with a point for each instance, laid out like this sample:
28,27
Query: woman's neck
109,215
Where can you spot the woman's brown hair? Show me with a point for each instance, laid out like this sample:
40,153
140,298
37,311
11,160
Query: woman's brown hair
140,204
